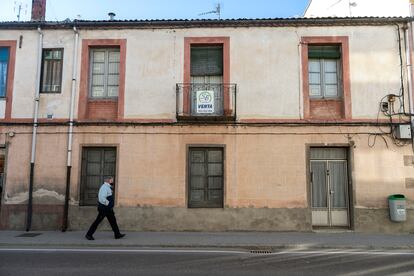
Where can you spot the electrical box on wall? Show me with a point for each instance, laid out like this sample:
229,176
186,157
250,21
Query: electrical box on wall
402,131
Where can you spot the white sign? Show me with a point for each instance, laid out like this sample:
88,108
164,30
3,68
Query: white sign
401,212
205,101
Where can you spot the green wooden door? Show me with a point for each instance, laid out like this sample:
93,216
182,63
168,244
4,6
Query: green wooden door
97,163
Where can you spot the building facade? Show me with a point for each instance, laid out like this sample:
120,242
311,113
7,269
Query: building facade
357,8
207,125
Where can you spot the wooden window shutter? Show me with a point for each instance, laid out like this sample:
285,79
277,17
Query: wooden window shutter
324,52
206,178
207,61
97,163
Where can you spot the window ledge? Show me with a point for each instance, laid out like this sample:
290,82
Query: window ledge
203,118
326,100
102,99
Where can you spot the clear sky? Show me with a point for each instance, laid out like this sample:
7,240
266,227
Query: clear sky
58,10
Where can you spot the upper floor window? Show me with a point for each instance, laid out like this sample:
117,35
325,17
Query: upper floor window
324,71
326,77
52,62
207,64
104,72
4,63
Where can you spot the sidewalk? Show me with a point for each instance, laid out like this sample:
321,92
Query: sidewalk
248,240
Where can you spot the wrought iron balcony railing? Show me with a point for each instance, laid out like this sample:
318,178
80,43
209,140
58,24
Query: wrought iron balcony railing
206,101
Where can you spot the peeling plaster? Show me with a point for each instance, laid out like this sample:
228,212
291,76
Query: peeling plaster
22,197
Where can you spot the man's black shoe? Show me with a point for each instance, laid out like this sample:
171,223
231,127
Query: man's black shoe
120,236
89,237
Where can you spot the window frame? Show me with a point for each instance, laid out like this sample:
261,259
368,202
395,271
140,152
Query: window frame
339,82
192,205
345,102
12,45
82,183
42,72
83,100
7,72
106,73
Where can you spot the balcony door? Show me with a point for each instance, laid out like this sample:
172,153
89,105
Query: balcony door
207,81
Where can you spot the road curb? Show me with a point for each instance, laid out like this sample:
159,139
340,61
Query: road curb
246,247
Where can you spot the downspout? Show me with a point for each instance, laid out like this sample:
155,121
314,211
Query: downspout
300,90
408,62
70,132
34,134
409,45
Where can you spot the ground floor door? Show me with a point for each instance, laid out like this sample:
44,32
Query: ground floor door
329,187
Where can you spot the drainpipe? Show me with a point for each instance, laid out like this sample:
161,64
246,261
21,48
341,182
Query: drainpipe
409,33
35,124
70,132
408,62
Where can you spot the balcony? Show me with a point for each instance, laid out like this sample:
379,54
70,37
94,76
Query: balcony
206,101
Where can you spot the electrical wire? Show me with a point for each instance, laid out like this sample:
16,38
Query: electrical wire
391,102
375,139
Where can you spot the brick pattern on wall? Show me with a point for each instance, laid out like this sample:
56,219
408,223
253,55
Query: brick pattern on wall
326,109
38,10
102,110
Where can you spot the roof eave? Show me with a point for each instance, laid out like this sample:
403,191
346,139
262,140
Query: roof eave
276,22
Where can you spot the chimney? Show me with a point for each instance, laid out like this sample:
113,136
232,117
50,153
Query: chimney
411,8
38,10
111,16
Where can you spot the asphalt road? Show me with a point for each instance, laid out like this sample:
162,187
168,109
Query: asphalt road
97,261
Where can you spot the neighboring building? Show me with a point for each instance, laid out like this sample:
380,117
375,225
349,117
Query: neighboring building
357,8
207,125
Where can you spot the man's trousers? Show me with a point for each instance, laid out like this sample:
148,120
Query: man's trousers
110,215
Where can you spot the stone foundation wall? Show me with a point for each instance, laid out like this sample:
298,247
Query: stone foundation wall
49,217
184,219
378,221
44,217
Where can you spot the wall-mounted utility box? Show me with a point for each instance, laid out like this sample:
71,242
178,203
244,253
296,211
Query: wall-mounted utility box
403,131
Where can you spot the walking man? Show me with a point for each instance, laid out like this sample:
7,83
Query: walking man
105,209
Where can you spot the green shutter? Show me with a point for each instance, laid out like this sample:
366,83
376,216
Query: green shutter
207,61
324,52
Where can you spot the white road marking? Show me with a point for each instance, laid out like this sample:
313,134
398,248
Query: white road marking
345,252
380,268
